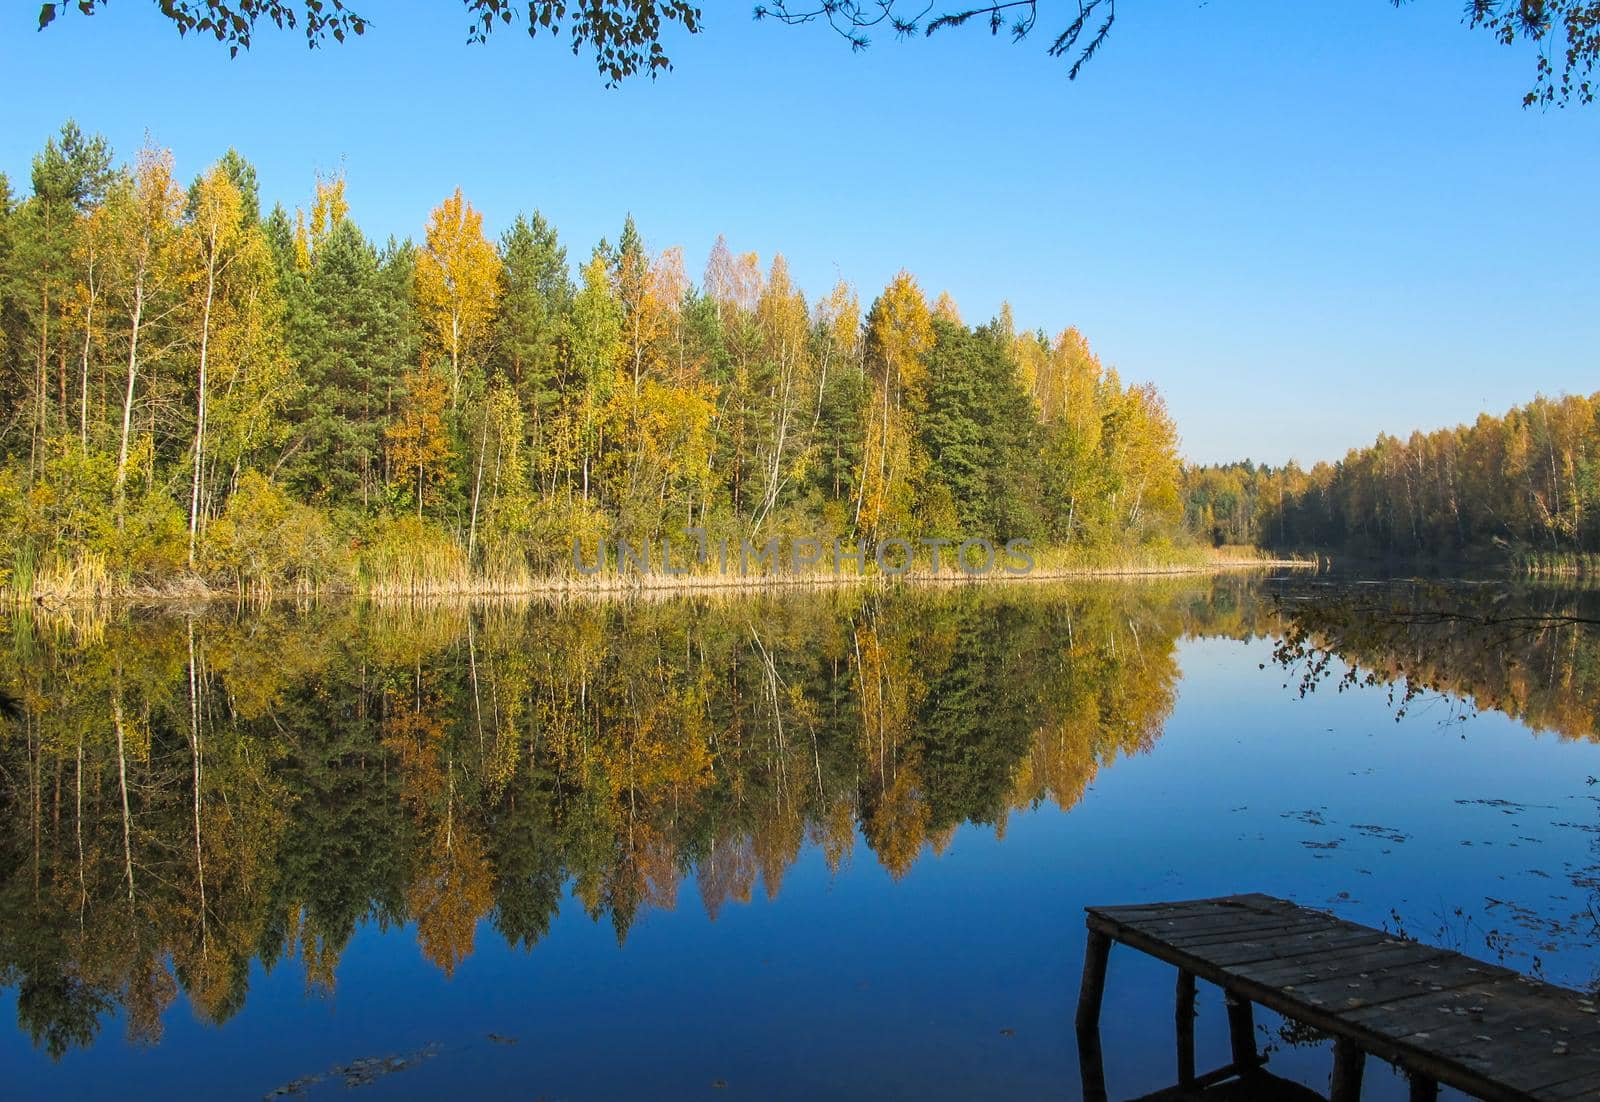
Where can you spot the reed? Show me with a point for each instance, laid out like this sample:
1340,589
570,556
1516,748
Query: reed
403,564
84,576
1558,564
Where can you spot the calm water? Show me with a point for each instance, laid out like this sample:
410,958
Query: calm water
817,846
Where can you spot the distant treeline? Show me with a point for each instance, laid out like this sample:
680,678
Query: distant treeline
1525,486
192,389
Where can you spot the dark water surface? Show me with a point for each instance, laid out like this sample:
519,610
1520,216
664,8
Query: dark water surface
804,847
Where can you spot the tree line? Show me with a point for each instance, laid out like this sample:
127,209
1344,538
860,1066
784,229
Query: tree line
1525,485
195,389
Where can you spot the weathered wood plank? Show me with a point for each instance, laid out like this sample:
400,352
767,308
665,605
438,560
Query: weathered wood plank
1242,899
1350,960
1442,1017
1344,993
1291,950
1218,917
1513,1038
1186,934
1583,1087
1229,904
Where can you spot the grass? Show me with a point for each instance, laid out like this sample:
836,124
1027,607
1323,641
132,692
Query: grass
1558,564
409,568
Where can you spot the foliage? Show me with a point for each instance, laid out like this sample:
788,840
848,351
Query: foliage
282,377
1526,483
624,36
269,540
1566,33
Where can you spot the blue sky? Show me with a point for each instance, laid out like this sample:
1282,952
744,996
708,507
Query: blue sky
1307,223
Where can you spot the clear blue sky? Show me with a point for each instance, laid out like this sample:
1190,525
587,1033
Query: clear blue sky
1307,223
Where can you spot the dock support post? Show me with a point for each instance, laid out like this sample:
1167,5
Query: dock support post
1095,954
1423,1089
1242,1032
1185,1017
1348,1063
1091,1064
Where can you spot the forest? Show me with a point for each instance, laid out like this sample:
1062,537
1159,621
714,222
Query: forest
1523,487
196,393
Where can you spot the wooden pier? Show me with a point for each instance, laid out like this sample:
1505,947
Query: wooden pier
1441,1017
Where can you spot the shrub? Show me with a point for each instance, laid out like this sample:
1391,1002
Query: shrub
266,540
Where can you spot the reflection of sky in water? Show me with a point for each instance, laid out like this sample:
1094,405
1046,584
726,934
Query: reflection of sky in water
959,980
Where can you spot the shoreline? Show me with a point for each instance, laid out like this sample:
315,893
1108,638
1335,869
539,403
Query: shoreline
190,591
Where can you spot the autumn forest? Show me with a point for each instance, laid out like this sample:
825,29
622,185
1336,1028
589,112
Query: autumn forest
198,391
1525,486
200,394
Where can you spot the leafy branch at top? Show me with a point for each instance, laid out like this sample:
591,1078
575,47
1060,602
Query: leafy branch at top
1566,32
623,36
854,19
1568,36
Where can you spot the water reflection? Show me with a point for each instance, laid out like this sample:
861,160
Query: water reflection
1529,651
184,796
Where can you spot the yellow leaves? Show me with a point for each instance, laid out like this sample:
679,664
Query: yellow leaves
215,219
302,243
155,202
897,824
1146,448
457,283
226,266
651,294
835,832
674,423
328,208
1068,386
134,729
597,346
782,316
451,883
733,282
158,195
899,340
419,450
450,891
840,317
902,334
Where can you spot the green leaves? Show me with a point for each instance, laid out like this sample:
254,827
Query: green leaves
624,36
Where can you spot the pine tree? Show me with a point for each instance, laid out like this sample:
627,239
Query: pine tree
344,346
536,293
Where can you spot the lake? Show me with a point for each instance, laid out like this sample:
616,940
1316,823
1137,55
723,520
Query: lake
806,845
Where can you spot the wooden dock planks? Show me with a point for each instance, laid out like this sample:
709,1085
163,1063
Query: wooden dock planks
1440,1016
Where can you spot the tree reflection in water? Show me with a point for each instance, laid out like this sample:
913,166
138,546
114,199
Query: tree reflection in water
183,795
